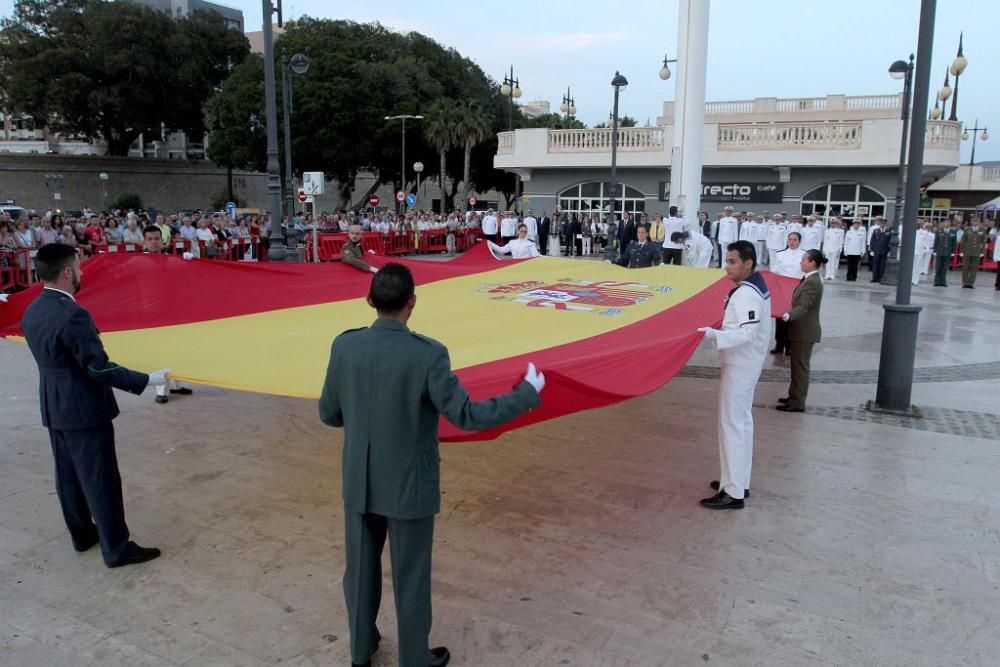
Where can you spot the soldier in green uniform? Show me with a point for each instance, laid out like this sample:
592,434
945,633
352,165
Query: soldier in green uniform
352,253
387,387
944,248
973,248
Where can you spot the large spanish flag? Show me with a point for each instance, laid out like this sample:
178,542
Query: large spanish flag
600,333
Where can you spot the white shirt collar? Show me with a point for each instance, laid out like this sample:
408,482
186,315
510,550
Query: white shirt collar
810,273
56,289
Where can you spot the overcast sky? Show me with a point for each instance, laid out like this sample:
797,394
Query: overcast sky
764,48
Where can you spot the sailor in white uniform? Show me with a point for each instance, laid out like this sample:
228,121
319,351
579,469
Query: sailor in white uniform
833,245
742,343
520,248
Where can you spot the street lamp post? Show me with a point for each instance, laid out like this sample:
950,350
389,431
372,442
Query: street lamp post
958,66
568,106
899,331
511,89
619,83
298,64
665,70
103,176
276,246
418,168
984,136
899,70
402,171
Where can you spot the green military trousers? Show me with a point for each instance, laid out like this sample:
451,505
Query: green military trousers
410,543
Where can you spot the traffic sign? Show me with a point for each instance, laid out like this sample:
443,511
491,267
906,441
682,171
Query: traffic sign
400,196
231,209
373,201
411,199
314,182
303,196
472,201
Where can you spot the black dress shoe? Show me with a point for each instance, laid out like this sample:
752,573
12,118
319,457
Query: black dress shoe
183,391
722,501
787,408
968,287
162,399
783,400
439,657
136,555
777,350
714,485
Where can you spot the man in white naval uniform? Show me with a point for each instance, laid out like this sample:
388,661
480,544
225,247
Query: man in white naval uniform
777,236
761,240
788,262
742,344
812,235
728,232
490,225
833,245
697,248
532,224
508,227
922,250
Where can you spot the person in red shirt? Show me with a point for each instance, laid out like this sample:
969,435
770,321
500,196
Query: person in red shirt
94,232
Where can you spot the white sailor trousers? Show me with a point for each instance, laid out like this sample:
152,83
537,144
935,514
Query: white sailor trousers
736,428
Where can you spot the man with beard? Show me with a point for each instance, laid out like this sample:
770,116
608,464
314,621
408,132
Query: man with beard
78,405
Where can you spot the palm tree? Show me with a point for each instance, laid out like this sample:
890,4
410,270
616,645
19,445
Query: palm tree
439,128
471,127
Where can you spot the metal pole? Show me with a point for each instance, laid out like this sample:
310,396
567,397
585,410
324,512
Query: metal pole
891,273
614,156
402,173
899,333
286,94
975,129
276,247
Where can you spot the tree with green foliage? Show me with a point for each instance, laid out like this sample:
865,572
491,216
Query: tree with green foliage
624,121
237,119
114,70
440,130
358,74
471,126
554,121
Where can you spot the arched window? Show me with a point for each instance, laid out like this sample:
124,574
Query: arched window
595,197
849,200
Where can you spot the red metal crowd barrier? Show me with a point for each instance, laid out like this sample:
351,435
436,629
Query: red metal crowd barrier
15,268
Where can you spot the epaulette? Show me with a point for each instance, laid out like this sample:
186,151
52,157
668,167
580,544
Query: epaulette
426,339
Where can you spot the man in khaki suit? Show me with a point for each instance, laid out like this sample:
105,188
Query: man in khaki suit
804,329
973,247
387,387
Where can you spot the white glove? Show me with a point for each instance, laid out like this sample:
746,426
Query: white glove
187,257
371,252
786,317
159,378
3,298
709,332
373,269
534,378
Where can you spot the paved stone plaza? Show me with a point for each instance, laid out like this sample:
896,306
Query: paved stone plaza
868,540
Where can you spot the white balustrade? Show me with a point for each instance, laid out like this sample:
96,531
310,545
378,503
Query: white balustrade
991,173
784,136
742,106
802,104
505,143
873,101
943,134
598,140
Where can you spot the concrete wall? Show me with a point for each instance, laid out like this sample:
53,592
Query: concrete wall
162,184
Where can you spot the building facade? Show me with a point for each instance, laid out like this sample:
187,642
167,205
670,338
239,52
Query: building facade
834,155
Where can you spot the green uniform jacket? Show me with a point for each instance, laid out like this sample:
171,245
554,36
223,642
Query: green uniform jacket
974,242
803,318
351,253
387,386
944,242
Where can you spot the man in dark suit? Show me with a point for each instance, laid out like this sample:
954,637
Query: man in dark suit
544,227
78,406
388,387
879,246
804,330
626,233
642,253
